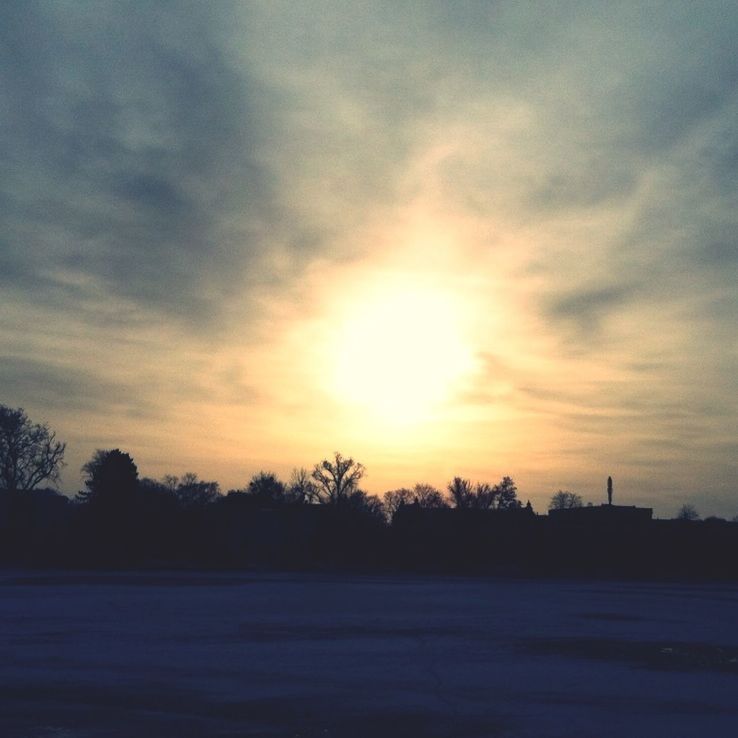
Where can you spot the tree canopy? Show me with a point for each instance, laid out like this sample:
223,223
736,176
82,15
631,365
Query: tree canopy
265,489
483,496
111,476
337,479
564,500
394,499
428,497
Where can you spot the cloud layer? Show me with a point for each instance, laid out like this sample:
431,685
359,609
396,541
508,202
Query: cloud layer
190,190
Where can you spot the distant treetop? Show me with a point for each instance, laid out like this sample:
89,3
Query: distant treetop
564,500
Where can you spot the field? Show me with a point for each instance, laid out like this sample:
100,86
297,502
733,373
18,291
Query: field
215,655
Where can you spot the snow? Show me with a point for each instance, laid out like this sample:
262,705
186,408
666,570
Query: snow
181,654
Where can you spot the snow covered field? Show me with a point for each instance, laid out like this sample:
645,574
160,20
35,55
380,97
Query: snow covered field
161,654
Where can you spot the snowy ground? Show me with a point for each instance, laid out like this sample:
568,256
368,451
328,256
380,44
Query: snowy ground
279,655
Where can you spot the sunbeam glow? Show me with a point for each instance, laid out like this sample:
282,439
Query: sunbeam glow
401,354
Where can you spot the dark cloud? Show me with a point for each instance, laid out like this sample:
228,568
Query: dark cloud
131,137
588,306
57,387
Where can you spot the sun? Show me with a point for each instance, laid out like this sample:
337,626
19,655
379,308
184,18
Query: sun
401,353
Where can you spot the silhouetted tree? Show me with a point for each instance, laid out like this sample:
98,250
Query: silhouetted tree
112,516
687,512
111,476
370,505
396,498
482,496
158,487
564,500
29,453
192,492
461,492
301,489
170,481
506,495
428,497
266,490
337,479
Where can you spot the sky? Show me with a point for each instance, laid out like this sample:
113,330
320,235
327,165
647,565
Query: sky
444,238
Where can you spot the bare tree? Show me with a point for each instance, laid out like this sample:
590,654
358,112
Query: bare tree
428,497
192,492
564,500
337,479
395,499
461,492
687,512
301,488
29,453
170,482
482,496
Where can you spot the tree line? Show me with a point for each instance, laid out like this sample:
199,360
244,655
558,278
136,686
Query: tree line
318,518
30,455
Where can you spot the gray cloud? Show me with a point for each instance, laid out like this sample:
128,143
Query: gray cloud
58,387
131,137
588,305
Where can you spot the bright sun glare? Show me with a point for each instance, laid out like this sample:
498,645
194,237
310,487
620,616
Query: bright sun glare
401,354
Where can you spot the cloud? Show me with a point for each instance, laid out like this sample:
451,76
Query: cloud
587,306
130,146
186,181
57,387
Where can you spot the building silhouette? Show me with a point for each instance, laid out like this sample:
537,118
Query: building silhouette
605,514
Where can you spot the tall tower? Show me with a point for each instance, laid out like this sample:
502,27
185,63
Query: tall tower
609,490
